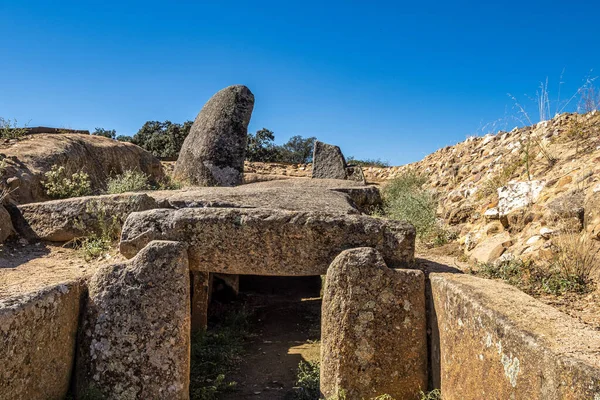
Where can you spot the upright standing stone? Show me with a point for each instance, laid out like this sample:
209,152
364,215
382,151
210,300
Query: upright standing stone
135,338
373,333
214,151
328,162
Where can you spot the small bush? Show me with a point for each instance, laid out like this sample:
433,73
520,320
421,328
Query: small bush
215,353
553,278
307,382
169,183
576,260
435,394
404,199
60,185
99,241
9,129
128,181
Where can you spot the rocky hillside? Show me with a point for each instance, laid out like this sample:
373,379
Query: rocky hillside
506,194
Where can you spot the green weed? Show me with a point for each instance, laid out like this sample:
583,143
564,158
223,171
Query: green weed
128,181
215,353
59,184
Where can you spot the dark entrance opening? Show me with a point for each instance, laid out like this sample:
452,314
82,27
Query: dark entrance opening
285,329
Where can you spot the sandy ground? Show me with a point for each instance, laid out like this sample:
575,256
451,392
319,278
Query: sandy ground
286,330
29,267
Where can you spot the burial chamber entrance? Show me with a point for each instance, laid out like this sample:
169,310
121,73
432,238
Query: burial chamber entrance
280,320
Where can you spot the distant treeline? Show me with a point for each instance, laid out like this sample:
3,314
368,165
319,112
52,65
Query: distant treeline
164,140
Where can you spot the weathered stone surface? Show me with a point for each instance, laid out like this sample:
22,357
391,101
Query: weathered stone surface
248,196
490,340
517,195
267,242
37,342
201,285
6,227
490,249
364,197
373,334
214,151
29,159
134,342
328,162
67,219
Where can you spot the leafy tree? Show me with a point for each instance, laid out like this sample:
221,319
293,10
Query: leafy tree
298,150
163,139
109,133
261,147
123,138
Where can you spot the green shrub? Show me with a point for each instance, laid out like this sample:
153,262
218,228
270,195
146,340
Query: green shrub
553,278
307,382
435,394
215,353
60,185
406,200
128,181
169,183
9,129
97,242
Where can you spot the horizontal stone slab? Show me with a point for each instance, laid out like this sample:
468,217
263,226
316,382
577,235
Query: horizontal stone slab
490,340
293,194
267,242
67,219
37,342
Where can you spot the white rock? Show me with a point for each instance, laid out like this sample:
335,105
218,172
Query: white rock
546,232
492,213
517,195
533,239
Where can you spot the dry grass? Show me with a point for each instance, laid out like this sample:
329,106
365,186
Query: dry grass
577,258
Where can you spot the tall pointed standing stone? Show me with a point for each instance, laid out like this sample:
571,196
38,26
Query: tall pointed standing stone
214,151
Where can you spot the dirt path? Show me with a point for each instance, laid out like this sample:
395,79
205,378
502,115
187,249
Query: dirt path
286,331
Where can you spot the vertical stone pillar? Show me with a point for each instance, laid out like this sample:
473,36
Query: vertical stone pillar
373,332
200,299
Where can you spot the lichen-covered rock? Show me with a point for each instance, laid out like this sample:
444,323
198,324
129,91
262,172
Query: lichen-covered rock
134,342
6,227
267,242
328,162
373,334
26,162
214,151
517,195
67,219
37,342
490,340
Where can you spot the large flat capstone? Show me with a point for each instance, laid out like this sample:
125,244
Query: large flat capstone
134,342
37,342
490,340
267,242
373,332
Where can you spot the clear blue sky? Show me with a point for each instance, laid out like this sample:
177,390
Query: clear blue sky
391,80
